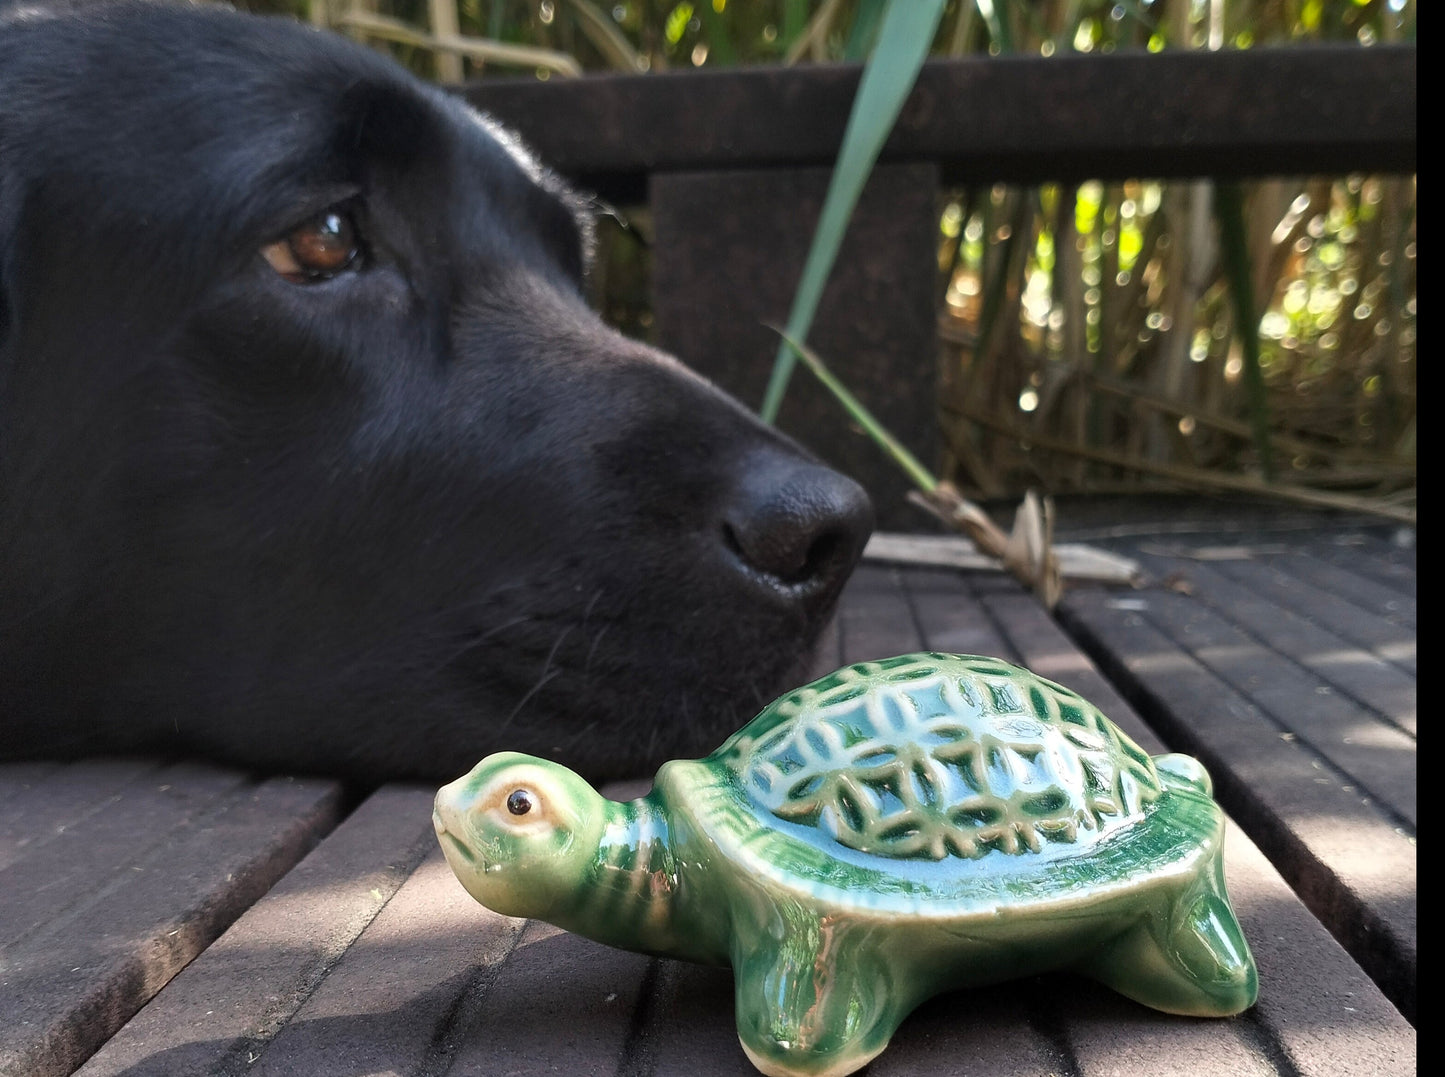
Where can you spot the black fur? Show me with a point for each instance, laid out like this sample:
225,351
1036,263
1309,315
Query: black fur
376,525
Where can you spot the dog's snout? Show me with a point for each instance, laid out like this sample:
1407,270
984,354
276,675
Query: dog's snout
803,527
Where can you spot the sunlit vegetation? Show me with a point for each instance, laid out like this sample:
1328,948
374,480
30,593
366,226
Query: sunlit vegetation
1089,338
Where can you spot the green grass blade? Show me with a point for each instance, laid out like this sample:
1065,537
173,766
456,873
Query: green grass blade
719,42
903,42
921,476
865,29
795,18
1229,211
602,31
1004,268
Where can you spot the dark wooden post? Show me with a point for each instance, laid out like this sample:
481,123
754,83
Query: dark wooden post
727,257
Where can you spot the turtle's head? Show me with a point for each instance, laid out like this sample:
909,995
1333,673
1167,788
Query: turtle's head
520,833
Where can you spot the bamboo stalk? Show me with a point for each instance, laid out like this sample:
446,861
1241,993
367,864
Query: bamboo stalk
477,48
1200,477
1229,209
814,33
444,24
609,41
1227,425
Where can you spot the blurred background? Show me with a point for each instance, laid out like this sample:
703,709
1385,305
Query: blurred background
1087,341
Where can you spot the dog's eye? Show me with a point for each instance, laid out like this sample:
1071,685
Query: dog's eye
318,250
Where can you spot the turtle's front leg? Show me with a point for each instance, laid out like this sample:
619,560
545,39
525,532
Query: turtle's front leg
818,998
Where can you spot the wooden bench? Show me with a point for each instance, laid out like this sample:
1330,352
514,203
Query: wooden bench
1285,658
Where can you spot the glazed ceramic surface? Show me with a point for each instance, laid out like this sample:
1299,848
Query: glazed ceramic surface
893,830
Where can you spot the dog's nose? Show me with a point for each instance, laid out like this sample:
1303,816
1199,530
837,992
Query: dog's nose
798,525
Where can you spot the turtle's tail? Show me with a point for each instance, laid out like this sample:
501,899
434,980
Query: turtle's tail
1187,955
1176,769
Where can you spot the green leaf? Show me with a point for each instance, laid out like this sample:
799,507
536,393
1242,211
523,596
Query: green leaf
921,476
903,42
676,24
795,18
865,29
602,31
719,43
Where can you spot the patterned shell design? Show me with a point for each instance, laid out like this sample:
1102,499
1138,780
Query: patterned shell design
928,756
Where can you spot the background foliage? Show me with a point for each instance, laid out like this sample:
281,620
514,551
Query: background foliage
1089,341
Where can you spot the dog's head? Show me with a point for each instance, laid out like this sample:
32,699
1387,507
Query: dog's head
312,455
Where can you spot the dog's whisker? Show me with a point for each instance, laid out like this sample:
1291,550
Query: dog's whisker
592,650
591,605
472,643
546,675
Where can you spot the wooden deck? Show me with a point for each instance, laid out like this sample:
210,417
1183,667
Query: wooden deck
187,920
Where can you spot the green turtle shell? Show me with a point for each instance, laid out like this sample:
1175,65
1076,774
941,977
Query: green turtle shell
929,756
950,786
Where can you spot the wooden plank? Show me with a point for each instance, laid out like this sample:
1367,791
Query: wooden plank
220,1013
688,1026
1390,642
18,778
1001,1031
1230,113
1318,1011
45,804
1360,674
1388,561
401,998
560,1004
875,619
1076,560
59,875
1310,988
67,986
950,615
827,653
1349,862
1380,599
1376,756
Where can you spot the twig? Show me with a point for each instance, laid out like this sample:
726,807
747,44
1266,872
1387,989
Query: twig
475,47
1192,476
1027,552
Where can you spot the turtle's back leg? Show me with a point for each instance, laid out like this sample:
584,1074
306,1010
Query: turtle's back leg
1186,955
820,1002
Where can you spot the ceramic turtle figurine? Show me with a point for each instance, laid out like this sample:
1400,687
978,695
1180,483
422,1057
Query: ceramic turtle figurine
893,830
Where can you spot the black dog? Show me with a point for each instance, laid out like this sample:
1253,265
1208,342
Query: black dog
312,456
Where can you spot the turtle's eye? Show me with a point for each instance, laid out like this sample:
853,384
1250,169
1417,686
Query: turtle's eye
520,802
316,250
